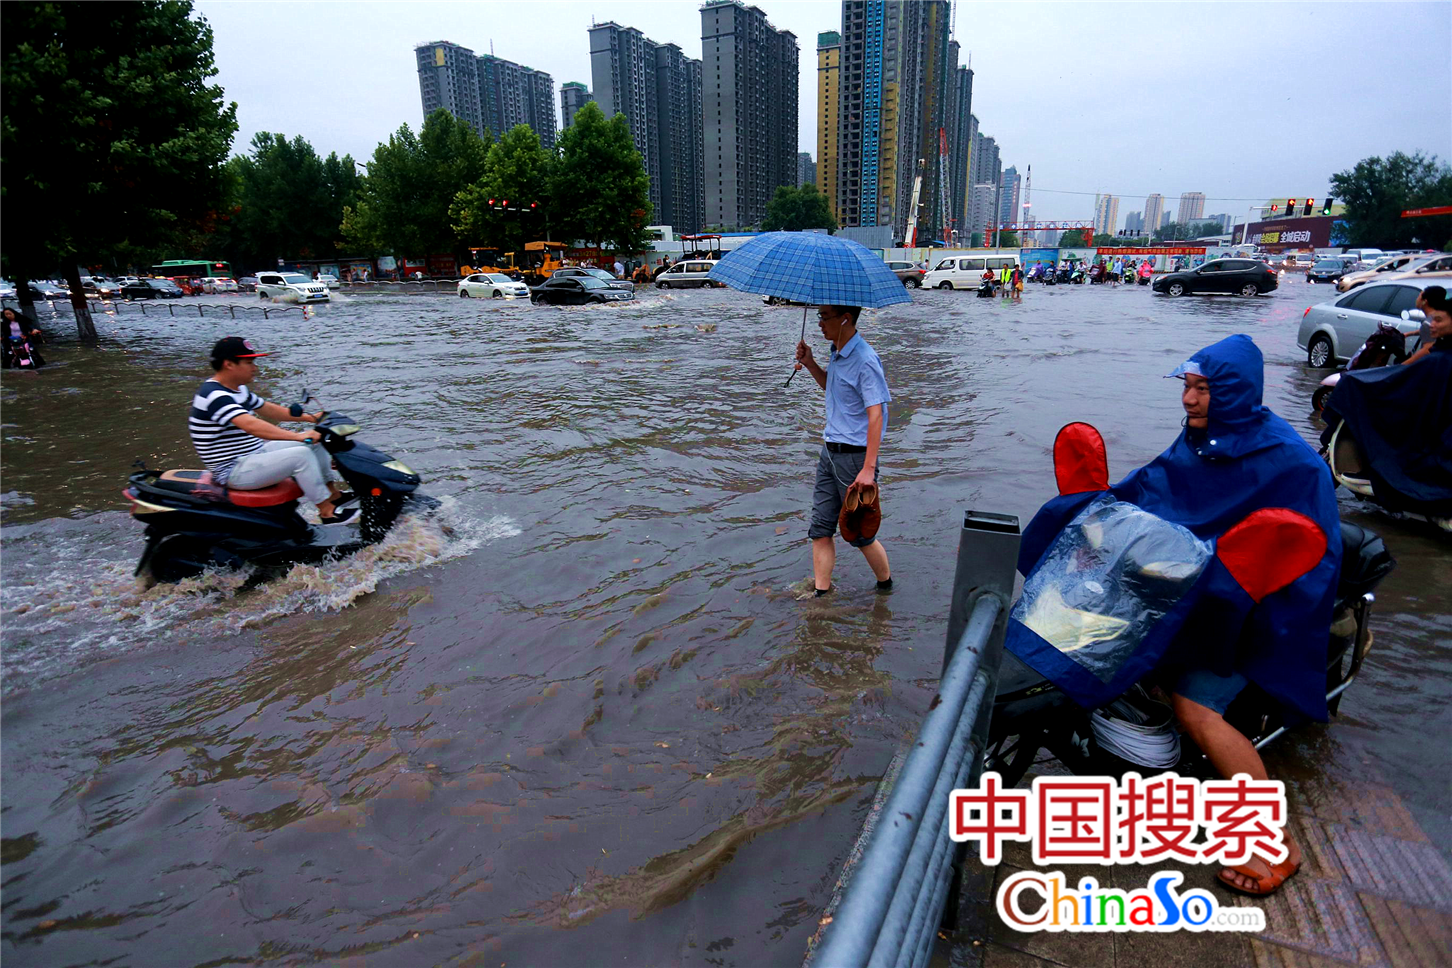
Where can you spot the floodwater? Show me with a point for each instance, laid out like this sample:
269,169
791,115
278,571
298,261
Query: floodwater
580,716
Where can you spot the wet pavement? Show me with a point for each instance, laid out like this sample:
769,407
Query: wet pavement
580,716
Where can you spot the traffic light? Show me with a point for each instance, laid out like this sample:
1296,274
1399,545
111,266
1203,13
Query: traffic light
534,204
506,203
491,203
1326,206
1290,207
1308,206
1275,208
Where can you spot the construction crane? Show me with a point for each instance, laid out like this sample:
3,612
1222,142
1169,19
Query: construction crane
910,239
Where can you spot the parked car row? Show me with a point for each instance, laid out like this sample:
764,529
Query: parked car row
1398,267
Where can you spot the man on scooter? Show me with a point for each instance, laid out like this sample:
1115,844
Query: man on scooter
1242,480
230,430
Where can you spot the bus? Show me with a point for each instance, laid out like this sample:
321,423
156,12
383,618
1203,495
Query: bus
192,269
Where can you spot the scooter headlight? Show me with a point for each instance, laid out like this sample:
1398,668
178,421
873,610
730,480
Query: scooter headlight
400,466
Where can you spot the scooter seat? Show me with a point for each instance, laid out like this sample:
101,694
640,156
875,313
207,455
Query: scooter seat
265,497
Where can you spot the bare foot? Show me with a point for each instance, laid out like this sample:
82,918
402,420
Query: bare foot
1245,883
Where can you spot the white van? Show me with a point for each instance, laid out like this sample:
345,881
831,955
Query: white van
693,273
1364,255
965,271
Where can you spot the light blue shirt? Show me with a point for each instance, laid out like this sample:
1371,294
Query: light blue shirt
855,381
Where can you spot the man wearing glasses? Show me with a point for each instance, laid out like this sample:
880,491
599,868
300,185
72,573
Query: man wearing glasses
857,399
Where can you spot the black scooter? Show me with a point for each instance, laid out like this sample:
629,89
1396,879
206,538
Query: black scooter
1030,713
192,524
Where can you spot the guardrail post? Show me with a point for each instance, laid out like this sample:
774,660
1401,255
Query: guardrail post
987,560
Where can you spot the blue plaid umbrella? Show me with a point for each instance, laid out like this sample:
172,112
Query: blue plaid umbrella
813,268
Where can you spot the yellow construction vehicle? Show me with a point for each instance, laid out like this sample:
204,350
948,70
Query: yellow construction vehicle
542,259
489,260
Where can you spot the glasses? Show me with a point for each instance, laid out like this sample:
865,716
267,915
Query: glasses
824,316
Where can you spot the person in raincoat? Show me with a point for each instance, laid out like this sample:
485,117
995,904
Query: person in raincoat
1259,616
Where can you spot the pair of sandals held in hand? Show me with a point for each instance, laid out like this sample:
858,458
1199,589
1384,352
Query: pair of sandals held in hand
861,513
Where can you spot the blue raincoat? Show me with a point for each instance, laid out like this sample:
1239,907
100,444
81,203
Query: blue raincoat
1247,459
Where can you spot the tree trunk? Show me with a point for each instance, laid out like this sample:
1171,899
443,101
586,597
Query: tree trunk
22,293
85,326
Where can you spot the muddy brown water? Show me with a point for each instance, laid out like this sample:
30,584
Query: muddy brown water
580,716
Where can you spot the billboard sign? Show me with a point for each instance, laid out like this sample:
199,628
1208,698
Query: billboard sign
1315,232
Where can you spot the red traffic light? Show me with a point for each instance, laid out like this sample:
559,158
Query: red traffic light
491,202
534,204
506,203
1275,208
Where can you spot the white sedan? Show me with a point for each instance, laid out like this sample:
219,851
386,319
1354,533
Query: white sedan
491,285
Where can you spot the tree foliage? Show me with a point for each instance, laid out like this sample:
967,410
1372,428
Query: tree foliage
795,209
519,171
1376,192
289,202
113,135
1178,231
404,200
600,190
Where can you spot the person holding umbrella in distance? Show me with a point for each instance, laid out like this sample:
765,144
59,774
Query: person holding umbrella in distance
841,278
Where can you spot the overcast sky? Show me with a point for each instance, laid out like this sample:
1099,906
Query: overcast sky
1243,102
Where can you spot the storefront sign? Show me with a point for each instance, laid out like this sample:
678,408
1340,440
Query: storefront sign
1183,250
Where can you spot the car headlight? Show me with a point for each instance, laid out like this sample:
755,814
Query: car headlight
400,466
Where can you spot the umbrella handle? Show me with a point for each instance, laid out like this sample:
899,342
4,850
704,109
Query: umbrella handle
804,339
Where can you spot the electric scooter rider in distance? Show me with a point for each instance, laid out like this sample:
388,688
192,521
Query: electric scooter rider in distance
230,430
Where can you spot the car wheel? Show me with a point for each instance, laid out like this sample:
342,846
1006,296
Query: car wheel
1249,289
1318,399
261,294
660,285
463,294
945,285
914,283
1319,353
498,294
1175,289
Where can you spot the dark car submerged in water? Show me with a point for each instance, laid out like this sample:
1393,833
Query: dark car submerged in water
1240,277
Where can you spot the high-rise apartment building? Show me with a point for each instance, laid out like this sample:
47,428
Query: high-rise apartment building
981,200
829,98
1192,207
749,111
1134,222
960,151
658,89
511,94
1227,222
1154,212
806,169
987,172
490,93
1106,214
573,96
448,77
1009,197
897,88
679,144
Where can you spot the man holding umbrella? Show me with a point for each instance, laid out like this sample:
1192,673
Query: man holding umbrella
857,398
841,278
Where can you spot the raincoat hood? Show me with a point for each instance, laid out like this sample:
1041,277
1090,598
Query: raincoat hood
1238,420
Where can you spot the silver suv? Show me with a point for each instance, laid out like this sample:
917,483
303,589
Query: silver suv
290,287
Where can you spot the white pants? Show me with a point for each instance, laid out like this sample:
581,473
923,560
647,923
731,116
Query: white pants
308,464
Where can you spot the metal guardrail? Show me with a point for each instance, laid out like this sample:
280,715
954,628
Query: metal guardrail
894,903
112,307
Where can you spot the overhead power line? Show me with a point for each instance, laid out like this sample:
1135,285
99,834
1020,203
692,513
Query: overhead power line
1208,198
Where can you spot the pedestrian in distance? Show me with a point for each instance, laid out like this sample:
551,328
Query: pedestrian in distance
619,269
856,404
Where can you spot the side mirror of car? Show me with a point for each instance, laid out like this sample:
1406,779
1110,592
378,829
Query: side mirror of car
1414,316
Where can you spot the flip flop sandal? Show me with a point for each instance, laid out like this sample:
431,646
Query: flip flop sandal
1264,884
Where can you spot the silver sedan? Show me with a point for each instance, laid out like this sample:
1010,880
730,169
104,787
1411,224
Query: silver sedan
1332,331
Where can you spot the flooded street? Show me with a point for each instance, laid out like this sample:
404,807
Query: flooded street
579,717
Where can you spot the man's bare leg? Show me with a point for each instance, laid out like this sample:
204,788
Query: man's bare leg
876,556
1230,753
824,558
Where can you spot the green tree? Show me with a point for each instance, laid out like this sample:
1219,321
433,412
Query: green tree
108,152
600,190
1074,239
403,201
1008,240
1104,239
795,209
516,170
290,202
1377,191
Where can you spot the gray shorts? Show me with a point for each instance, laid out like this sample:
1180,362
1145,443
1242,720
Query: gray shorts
835,473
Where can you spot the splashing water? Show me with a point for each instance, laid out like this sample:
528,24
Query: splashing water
63,604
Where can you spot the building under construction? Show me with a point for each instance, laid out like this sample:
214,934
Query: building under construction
901,111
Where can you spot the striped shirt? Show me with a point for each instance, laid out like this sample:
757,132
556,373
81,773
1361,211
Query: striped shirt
219,442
